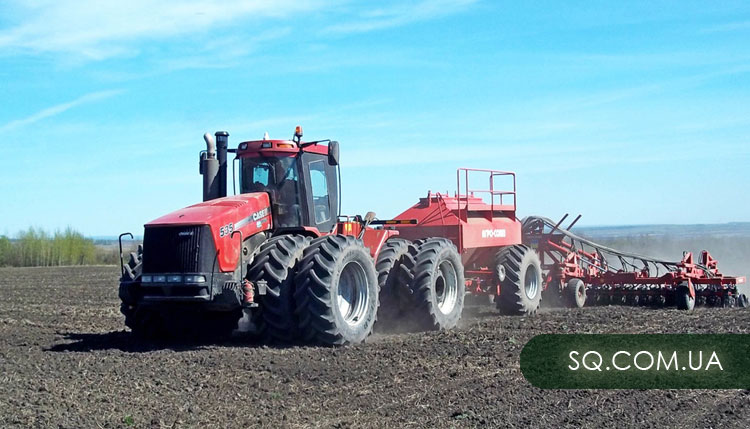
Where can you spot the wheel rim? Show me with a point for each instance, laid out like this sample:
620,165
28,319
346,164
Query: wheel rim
531,282
446,287
352,296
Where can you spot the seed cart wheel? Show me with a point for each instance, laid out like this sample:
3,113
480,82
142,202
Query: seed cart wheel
337,291
521,292
684,300
576,293
395,270
438,287
742,301
277,258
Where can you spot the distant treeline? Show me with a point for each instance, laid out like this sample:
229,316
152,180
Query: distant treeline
38,248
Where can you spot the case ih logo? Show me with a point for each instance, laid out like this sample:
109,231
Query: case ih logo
260,214
493,233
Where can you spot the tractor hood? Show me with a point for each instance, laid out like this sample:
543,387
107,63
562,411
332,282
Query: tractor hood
248,213
218,210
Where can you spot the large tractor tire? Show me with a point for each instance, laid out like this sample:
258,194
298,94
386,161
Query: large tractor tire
438,287
521,291
133,269
275,318
395,270
131,273
337,291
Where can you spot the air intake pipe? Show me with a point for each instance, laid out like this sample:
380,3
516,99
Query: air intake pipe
209,168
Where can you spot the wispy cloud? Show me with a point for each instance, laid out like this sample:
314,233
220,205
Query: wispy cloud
221,53
95,30
58,109
399,14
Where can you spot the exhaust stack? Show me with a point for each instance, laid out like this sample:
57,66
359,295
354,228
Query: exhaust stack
209,168
222,143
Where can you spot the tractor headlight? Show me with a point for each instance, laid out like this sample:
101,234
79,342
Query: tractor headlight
195,279
160,279
146,279
174,279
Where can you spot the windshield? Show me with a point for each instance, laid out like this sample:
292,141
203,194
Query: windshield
278,177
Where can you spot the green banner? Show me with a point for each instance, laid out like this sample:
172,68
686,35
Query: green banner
643,361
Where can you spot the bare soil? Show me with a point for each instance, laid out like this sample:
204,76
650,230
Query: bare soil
67,361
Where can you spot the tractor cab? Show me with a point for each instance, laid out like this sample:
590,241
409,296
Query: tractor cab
301,179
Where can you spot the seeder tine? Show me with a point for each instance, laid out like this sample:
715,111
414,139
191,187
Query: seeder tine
557,226
573,223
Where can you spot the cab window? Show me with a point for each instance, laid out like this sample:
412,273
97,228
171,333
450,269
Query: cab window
277,176
261,173
319,185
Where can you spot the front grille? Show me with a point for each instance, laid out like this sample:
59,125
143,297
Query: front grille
178,249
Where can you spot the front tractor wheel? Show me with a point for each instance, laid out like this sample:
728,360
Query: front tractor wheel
438,287
275,318
337,291
521,291
131,276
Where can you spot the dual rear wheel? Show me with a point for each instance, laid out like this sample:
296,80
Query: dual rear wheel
438,286
521,289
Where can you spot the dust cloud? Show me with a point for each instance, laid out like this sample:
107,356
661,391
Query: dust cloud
732,253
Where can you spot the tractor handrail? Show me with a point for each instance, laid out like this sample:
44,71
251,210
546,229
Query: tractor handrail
491,191
487,191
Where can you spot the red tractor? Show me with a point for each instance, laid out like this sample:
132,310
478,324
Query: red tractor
280,254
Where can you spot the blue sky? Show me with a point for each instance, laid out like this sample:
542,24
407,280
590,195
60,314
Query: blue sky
626,112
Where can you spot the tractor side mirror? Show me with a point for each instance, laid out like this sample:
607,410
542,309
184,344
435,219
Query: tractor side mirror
333,153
